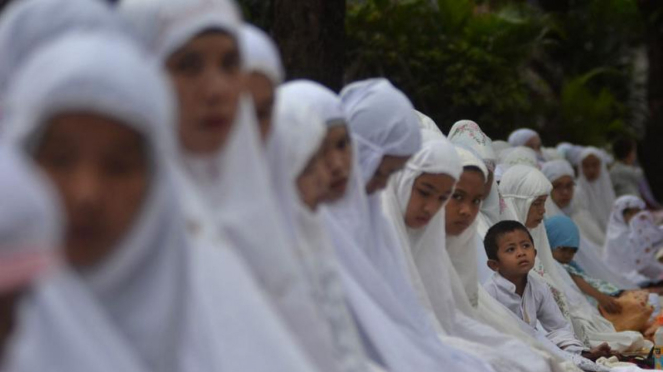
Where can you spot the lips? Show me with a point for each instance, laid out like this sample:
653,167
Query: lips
462,224
215,122
423,220
339,185
523,263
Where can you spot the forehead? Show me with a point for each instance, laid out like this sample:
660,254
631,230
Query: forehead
515,236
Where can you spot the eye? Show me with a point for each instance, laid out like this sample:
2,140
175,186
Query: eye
477,201
230,62
423,193
457,197
509,250
189,64
444,198
527,246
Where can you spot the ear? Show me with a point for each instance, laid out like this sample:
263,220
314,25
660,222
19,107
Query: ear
493,265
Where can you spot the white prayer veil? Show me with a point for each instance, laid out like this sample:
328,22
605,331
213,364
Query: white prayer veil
260,54
177,306
598,196
396,328
621,252
426,123
469,134
589,256
303,108
500,146
520,137
518,155
217,202
27,25
520,186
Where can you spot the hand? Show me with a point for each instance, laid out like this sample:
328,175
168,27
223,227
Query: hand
602,350
610,304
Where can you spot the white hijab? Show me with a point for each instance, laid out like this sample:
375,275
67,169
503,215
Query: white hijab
176,306
216,200
589,254
520,186
520,137
624,249
518,155
392,321
599,195
303,108
470,135
260,54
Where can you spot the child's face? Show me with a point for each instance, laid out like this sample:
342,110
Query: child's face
536,212
206,74
629,213
515,254
338,157
591,168
429,193
534,143
313,182
465,202
100,168
388,166
564,255
562,193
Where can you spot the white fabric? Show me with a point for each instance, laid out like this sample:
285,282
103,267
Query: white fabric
427,123
441,290
176,306
500,146
518,155
520,186
217,202
520,137
625,249
302,107
598,196
260,54
27,25
536,305
589,255
374,271
396,134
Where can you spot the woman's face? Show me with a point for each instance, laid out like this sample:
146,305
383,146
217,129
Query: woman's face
100,168
337,151
534,143
313,181
591,168
262,92
465,202
207,77
388,166
562,193
536,212
429,193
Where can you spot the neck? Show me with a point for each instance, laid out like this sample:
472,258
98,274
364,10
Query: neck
520,281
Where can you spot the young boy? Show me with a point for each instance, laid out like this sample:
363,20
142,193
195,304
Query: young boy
511,254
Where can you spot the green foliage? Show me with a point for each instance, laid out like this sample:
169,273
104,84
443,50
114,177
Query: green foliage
504,68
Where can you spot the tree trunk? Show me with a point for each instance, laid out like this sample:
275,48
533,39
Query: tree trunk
311,36
649,150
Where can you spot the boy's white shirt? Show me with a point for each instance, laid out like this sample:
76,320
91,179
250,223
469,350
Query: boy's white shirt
536,304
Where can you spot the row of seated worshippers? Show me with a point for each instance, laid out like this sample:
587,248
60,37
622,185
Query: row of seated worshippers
171,204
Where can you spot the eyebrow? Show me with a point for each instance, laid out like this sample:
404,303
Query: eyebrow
428,186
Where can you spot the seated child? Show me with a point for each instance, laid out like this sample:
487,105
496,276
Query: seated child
564,238
511,254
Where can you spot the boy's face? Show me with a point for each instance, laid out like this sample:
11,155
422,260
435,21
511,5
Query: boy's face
564,255
515,254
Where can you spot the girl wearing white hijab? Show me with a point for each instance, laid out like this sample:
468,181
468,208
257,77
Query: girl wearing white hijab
97,123
630,247
596,193
218,140
562,201
395,328
525,190
412,202
303,109
262,63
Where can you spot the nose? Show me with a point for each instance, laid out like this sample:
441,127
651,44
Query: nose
464,210
324,178
86,188
215,86
334,163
